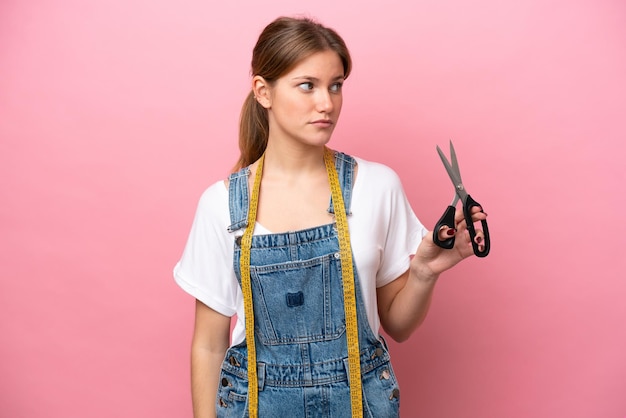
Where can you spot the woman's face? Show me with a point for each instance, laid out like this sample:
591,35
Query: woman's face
304,104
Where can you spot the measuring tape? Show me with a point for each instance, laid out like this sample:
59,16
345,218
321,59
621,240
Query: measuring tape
246,289
349,295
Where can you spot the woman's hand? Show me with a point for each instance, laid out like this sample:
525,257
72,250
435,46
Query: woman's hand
431,260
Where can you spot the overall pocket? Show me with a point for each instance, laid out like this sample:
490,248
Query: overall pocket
299,301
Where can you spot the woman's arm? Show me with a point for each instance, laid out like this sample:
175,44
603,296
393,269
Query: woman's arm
404,303
209,345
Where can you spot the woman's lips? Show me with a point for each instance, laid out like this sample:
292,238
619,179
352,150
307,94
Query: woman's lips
322,123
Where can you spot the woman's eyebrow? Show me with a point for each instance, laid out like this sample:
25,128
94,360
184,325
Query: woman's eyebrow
311,78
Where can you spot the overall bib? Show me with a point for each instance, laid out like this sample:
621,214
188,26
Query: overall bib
300,326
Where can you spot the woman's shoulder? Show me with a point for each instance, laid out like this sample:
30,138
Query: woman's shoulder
214,198
376,173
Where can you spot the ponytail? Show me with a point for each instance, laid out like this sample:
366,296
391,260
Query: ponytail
253,132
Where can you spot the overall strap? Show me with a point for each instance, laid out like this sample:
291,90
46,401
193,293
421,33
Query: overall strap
345,172
238,199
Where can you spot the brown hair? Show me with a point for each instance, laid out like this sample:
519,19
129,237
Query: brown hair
282,44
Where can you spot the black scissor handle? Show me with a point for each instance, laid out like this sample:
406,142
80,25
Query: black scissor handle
467,213
447,219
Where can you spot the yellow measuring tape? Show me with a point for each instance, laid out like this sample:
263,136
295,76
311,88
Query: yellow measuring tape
246,289
349,295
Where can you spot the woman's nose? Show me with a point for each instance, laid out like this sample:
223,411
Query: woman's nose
324,102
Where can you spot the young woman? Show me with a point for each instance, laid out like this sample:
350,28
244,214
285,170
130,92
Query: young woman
312,249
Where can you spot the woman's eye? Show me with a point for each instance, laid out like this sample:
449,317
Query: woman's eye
308,86
336,87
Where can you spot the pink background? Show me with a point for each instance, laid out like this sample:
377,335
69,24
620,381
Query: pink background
115,115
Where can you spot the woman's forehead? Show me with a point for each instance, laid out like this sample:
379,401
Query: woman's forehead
320,65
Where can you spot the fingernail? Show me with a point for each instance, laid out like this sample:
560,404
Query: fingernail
479,240
451,231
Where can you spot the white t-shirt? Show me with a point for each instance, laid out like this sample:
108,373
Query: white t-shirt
384,233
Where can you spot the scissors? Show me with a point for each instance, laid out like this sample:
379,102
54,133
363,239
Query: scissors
452,167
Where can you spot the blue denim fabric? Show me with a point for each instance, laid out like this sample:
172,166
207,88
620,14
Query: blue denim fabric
302,356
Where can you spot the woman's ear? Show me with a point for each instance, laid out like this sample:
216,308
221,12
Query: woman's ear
261,90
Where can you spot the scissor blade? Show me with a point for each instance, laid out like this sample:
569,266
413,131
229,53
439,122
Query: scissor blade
454,176
451,171
454,162
455,200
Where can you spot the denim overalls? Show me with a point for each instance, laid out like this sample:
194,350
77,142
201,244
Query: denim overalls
301,348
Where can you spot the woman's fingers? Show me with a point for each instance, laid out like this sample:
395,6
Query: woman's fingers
445,232
479,240
477,215
464,244
461,227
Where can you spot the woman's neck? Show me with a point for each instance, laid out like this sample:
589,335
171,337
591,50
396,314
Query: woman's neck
294,191
293,160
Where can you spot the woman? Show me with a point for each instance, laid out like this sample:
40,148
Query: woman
312,249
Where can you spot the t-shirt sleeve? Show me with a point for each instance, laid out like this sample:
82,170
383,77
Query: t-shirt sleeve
404,231
205,269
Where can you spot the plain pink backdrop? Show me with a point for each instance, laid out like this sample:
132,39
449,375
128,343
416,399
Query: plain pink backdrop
115,115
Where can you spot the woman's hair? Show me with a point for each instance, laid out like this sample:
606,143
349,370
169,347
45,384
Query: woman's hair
282,44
